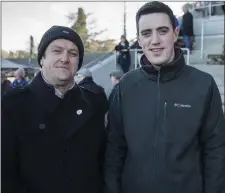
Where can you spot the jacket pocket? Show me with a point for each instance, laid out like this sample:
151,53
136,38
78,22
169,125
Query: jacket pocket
179,123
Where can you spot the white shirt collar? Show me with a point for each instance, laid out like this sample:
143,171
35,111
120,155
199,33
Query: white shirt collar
57,92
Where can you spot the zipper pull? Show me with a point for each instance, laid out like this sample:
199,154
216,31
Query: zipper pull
165,108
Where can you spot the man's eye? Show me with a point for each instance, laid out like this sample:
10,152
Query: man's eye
56,51
163,31
73,54
146,34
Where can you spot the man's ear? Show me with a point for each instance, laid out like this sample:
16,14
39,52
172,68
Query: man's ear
41,62
176,34
138,39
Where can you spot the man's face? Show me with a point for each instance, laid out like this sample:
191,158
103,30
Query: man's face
114,80
123,40
157,38
60,62
185,9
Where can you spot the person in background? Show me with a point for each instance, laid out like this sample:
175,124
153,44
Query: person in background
85,80
5,84
187,28
136,45
20,80
115,79
123,58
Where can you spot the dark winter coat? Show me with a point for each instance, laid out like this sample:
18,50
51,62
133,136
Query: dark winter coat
112,94
187,24
17,84
123,58
89,84
166,132
49,144
6,86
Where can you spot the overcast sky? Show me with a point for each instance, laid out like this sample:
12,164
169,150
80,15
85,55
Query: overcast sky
22,19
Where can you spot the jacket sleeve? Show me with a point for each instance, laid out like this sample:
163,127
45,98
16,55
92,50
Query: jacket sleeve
116,146
9,165
213,138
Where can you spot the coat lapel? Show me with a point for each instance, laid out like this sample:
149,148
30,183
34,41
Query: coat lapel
75,105
81,112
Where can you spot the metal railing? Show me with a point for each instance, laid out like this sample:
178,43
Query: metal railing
208,8
136,62
203,8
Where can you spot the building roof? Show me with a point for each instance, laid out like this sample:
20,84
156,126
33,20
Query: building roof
9,64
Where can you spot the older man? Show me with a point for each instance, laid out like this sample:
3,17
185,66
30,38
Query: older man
53,135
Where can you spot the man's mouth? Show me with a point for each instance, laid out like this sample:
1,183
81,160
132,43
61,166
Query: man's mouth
64,67
156,49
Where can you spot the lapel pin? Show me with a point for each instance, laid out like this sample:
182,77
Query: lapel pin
79,112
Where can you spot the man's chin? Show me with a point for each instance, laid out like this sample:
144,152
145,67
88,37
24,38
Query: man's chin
64,78
157,62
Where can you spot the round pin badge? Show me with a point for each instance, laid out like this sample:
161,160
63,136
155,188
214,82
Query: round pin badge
79,112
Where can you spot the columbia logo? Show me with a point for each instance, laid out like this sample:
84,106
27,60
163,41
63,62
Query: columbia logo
182,105
66,32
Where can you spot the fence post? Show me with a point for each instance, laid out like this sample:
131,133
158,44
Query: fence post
188,57
135,58
202,39
209,7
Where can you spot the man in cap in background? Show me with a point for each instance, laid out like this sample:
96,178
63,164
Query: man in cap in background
85,80
53,135
115,79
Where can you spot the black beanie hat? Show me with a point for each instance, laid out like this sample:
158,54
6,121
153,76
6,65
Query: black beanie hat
60,32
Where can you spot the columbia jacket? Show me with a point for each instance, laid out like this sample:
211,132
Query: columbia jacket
166,132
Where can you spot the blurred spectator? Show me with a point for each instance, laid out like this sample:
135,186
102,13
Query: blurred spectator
136,45
5,84
187,28
115,79
84,79
123,58
20,80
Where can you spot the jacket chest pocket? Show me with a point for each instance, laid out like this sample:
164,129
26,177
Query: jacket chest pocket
180,122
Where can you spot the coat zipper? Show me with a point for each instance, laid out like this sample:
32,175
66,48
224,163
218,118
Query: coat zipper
156,125
164,111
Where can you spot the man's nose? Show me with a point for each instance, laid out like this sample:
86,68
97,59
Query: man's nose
155,38
65,57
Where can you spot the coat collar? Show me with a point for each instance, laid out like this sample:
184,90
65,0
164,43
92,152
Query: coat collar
167,72
74,101
45,94
57,92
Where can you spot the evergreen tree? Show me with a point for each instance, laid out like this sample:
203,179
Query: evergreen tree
80,26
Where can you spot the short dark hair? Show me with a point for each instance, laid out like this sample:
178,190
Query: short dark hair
154,7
